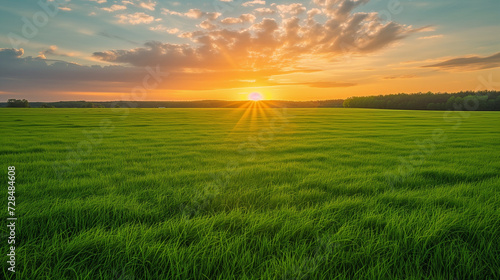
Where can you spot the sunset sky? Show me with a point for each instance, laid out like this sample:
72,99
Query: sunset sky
100,50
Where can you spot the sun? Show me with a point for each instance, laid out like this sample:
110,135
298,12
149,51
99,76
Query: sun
255,96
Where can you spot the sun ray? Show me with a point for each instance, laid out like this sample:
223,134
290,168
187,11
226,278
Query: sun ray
248,110
256,114
262,110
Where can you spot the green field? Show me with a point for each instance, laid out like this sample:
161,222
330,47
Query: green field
253,194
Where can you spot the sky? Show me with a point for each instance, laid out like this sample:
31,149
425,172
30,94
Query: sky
98,50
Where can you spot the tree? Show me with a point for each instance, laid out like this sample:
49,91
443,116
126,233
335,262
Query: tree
18,103
450,102
458,105
490,105
45,105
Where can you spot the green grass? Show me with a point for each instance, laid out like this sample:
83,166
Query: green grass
301,194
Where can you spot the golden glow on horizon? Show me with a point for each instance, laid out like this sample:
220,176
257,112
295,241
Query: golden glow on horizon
441,82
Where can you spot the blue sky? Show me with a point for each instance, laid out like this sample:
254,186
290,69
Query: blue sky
426,46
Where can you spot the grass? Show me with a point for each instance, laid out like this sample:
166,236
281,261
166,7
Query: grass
253,194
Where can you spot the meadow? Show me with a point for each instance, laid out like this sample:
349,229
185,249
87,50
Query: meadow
253,193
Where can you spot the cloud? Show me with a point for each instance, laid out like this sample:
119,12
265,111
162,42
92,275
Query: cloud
242,19
206,24
114,8
428,29
313,12
431,37
269,43
10,54
469,63
292,9
53,50
339,8
136,18
253,3
231,20
42,76
265,11
148,5
193,13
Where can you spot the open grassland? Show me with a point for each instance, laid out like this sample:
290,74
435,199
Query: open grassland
253,194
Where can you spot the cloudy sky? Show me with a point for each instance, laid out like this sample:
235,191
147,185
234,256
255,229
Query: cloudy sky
226,49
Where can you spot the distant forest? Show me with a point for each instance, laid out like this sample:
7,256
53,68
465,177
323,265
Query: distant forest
464,100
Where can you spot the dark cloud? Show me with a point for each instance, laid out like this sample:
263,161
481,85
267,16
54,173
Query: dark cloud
469,63
35,75
35,68
10,54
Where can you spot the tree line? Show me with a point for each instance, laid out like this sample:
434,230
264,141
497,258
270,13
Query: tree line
464,100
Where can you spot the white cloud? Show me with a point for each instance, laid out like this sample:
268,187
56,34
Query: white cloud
136,18
150,6
145,4
114,8
241,19
431,37
253,3
193,13
292,9
265,11
206,24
